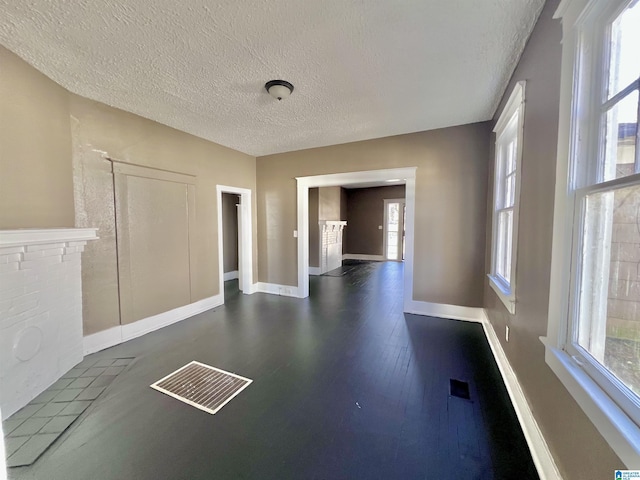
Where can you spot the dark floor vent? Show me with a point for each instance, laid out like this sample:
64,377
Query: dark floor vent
458,388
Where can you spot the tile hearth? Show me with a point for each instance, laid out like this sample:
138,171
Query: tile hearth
34,428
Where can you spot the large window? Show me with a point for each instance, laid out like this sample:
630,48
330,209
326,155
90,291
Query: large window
508,149
599,325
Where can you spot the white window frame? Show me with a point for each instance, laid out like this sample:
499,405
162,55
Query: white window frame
578,125
506,289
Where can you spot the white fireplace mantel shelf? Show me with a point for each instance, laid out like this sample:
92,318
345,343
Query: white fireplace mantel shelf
33,236
332,222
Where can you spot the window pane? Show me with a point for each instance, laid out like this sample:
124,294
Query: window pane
609,310
510,196
624,63
504,247
393,217
621,124
392,239
511,158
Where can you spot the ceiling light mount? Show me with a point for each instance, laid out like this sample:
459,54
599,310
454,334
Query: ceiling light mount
279,88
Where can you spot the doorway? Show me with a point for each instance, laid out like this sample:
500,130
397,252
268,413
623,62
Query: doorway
231,243
244,235
408,174
394,229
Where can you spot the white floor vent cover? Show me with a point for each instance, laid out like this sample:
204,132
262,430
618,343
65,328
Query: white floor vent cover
201,386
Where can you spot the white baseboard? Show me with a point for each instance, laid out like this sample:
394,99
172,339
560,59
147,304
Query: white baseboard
315,271
542,458
357,256
253,288
230,275
115,335
101,340
443,310
275,289
149,324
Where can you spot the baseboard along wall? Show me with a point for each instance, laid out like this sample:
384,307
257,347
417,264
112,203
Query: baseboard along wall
543,460
121,333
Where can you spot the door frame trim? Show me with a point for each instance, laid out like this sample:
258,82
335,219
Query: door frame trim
245,228
350,178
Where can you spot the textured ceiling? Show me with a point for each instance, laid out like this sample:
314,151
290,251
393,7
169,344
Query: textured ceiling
361,69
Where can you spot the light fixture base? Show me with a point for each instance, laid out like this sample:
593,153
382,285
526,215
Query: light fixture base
278,88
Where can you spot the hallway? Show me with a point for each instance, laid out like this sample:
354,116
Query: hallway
345,386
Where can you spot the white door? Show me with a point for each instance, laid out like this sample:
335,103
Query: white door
394,217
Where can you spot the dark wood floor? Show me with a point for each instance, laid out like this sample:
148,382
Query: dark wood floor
345,386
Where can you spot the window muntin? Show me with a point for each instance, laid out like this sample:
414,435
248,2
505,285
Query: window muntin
605,305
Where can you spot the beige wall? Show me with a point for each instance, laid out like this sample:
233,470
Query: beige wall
314,228
329,203
365,213
230,231
100,132
156,228
55,152
578,448
36,184
450,217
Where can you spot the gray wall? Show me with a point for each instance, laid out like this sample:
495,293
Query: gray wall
343,204
578,448
343,217
230,232
365,212
314,228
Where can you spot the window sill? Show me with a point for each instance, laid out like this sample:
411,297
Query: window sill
507,296
622,434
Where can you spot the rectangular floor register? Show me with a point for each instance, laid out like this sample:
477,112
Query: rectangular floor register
202,386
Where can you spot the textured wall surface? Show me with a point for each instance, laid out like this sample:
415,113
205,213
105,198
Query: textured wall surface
35,149
451,183
201,66
365,212
578,448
